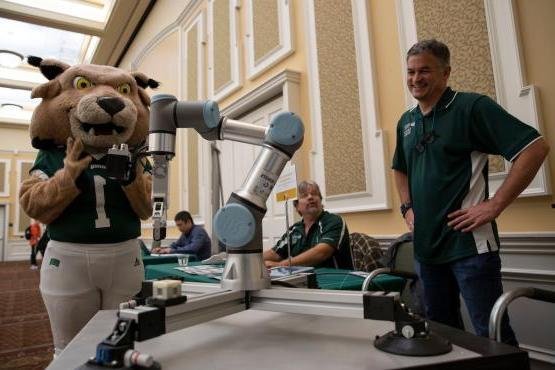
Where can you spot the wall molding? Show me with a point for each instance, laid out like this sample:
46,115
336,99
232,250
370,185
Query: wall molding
16,152
5,231
544,238
511,88
203,147
186,14
19,177
197,21
234,83
189,16
7,168
537,246
152,45
538,353
376,195
16,250
529,275
282,83
406,25
286,46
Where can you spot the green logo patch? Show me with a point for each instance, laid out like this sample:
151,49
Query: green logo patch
54,262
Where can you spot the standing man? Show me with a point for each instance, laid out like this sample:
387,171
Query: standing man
441,173
193,239
320,239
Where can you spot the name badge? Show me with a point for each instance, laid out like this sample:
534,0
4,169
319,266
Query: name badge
407,129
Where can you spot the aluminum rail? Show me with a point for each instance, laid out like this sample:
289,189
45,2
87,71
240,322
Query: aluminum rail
503,301
309,301
203,308
373,274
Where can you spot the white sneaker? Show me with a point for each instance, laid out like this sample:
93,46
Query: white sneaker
34,267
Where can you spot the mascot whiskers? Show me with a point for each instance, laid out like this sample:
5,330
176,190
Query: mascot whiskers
93,260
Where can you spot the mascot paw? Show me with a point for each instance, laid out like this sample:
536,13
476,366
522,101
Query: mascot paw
75,163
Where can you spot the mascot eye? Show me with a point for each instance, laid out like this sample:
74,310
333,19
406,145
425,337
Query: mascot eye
124,89
81,83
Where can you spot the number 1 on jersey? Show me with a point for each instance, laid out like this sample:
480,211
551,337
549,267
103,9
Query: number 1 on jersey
102,220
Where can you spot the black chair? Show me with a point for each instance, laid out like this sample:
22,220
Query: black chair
506,298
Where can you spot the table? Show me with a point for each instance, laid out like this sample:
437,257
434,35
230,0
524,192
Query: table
328,278
157,260
264,340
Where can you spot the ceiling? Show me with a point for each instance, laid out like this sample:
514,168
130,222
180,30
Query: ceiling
75,31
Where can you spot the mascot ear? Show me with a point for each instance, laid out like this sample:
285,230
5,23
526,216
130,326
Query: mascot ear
143,81
47,90
50,68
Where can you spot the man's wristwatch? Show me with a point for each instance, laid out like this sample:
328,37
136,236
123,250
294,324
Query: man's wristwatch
405,208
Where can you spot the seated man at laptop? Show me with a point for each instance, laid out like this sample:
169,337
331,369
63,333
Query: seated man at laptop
320,239
193,240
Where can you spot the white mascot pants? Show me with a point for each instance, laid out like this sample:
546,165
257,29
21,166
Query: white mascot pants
77,280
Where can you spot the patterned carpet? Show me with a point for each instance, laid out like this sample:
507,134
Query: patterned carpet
25,337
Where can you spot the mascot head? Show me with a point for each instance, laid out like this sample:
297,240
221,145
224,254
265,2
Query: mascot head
100,105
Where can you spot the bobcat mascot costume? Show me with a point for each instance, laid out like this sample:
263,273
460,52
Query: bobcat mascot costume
93,260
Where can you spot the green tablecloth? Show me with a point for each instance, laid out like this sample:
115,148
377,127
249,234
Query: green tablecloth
328,278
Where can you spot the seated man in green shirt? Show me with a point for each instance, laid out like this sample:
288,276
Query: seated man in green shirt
320,239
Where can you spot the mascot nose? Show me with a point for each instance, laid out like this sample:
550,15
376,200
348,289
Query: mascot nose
110,104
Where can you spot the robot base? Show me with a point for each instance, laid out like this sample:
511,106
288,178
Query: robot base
245,271
429,345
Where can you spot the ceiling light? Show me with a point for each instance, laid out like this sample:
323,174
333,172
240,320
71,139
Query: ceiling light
11,108
10,59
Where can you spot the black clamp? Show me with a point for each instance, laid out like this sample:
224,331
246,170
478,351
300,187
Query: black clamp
411,336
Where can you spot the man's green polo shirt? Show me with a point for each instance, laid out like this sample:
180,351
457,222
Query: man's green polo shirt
451,173
330,229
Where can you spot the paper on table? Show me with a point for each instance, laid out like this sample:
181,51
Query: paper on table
280,271
206,270
168,254
215,259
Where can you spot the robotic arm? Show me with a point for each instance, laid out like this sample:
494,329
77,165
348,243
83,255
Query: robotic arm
239,223
166,115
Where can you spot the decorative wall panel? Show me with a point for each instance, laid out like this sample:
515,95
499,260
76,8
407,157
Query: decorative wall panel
195,83
193,173
339,94
463,27
224,69
266,27
192,63
3,178
269,34
222,52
